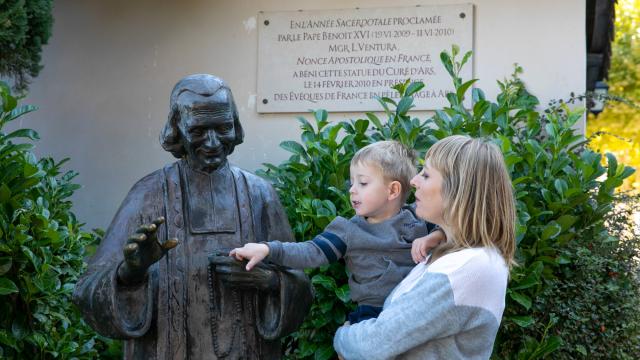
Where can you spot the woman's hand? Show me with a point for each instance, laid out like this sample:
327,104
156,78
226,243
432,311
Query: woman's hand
421,246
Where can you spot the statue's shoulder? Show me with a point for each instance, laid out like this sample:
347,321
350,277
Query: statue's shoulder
259,188
155,179
251,178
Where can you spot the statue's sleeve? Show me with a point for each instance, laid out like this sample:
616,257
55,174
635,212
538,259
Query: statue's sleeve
111,308
282,310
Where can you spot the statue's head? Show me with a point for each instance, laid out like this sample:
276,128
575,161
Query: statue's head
203,124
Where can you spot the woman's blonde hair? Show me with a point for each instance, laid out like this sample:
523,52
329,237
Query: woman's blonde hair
478,202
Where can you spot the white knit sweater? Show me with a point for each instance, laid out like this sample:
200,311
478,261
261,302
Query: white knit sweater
450,309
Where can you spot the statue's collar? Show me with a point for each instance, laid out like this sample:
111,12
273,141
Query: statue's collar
222,169
210,199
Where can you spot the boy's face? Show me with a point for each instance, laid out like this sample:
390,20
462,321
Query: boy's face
371,195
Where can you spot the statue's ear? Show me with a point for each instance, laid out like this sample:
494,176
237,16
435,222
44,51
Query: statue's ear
236,125
170,136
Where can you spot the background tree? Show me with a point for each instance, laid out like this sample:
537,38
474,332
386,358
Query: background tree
617,128
25,26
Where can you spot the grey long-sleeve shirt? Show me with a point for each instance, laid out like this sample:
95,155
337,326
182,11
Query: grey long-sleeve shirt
377,256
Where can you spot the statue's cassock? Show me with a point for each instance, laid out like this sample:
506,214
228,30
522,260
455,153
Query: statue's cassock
181,311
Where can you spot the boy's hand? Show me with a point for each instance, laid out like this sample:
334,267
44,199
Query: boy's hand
252,252
421,246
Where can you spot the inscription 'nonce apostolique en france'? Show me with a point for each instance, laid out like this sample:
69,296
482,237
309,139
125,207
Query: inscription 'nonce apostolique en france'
312,56
375,60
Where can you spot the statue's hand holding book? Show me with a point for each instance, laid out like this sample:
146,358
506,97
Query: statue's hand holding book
234,272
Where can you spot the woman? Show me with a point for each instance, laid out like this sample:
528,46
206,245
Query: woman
449,306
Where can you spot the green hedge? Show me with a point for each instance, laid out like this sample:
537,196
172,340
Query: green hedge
564,195
42,247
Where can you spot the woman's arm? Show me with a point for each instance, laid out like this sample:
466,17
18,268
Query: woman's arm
457,294
416,317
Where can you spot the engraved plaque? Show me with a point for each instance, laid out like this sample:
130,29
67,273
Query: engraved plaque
341,60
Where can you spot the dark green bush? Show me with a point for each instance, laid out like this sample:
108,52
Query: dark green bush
25,26
41,251
561,201
596,299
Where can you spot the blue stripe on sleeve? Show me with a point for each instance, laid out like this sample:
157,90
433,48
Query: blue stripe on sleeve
326,249
336,241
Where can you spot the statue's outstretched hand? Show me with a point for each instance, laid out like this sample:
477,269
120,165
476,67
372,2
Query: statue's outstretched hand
143,250
234,273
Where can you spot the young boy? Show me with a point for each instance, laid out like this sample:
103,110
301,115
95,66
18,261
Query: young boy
376,243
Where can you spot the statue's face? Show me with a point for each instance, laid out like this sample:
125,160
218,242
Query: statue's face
207,129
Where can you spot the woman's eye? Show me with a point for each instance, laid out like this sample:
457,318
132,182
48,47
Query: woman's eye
363,184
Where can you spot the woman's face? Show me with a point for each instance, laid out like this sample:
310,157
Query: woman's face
429,204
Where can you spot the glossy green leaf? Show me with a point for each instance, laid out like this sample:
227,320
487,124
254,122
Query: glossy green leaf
404,105
566,221
5,264
324,281
374,119
612,165
5,194
321,115
561,186
550,231
22,133
413,88
523,321
343,293
463,88
324,353
521,299
293,147
7,286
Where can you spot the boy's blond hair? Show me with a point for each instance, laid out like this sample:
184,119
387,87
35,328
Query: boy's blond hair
396,161
478,201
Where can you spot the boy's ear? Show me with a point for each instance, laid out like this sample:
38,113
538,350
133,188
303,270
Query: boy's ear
395,189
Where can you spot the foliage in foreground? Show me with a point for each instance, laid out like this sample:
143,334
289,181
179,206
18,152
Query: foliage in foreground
41,251
564,195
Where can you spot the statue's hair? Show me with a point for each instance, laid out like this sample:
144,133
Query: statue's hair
478,202
203,85
396,161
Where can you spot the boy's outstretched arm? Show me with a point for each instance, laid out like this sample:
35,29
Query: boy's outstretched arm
327,247
300,255
253,252
422,245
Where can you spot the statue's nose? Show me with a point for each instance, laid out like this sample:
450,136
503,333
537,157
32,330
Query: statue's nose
212,140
